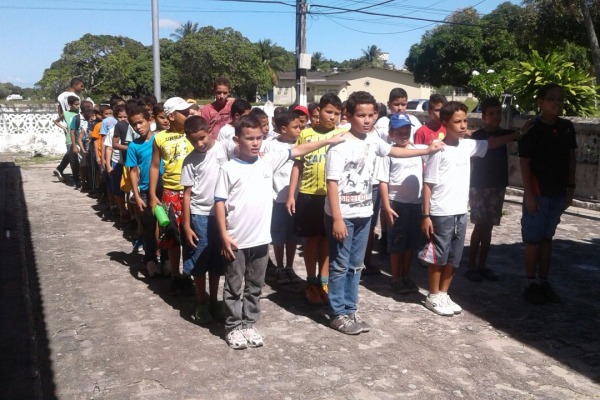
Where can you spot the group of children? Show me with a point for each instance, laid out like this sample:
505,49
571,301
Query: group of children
231,187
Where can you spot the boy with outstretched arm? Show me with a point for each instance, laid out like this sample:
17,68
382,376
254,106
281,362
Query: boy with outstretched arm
202,247
445,198
349,205
243,207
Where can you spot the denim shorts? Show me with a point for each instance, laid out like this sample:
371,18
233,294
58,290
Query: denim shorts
206,257
282,225
406,233
115,179
446,244
542,225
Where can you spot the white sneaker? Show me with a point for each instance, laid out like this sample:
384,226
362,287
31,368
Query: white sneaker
236,340
152,269
438,305
252,336
456,309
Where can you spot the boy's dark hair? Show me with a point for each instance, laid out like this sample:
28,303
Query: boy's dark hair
158,109
131,103
382,110
239,106
222,81
357,98
114,99
330,98
278,110
543,91
450,108
72,100
150,99
312,107
246,121
75,81
86,105
138,110
119,109
195,123
259,113
490,102
103,107
437,98
195,107
397,93
284,119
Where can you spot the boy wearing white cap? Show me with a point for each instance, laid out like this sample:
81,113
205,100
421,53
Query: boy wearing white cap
171,147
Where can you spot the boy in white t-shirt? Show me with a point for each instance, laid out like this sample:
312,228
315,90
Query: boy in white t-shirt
288,125
239,107
445,198
202,248
350,167
243,207
400,185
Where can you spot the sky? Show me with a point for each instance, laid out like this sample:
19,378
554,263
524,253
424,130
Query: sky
34,32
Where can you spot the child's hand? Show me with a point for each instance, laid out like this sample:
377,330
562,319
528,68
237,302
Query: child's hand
528,124
140,204
75,149
390,214
340,232
436,146
191,237
427,227
154,201
228,247
339,138
291,206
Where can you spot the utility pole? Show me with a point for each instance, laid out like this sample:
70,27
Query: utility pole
156,50
302,59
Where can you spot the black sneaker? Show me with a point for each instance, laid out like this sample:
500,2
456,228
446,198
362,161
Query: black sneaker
549,293
473,275
343,324
488,274
533,294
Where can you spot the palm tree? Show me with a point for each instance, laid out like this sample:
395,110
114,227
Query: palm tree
372,56
185,29
274,57
317,61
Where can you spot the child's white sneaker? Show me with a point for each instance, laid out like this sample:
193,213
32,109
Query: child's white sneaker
253,338
236,339
438,305
456,309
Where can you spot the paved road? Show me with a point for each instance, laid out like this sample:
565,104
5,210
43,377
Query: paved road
112,333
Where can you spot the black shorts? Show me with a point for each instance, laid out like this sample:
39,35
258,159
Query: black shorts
309,219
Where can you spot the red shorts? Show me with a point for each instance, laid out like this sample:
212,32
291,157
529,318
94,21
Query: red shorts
173,202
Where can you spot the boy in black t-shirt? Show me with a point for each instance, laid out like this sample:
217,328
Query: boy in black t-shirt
547,156
489,178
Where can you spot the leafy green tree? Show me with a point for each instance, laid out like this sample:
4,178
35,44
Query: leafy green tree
275,58
199,58
7,88
104,62
489,83
185,29
448,54
580,92
372,56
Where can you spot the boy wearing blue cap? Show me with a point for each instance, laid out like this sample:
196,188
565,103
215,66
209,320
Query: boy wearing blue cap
400,186
350,168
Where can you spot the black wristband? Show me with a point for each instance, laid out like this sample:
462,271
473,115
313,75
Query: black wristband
425,216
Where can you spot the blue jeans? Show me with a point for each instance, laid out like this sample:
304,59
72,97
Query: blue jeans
346,263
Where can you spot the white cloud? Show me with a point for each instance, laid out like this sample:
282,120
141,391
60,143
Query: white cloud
166,23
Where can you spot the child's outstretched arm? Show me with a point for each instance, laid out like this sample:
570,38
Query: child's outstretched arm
401,152
305,148
228,244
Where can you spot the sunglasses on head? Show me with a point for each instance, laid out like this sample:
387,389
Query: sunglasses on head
186,112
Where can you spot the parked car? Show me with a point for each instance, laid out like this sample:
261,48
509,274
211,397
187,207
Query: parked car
14,97
417,105
507,101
